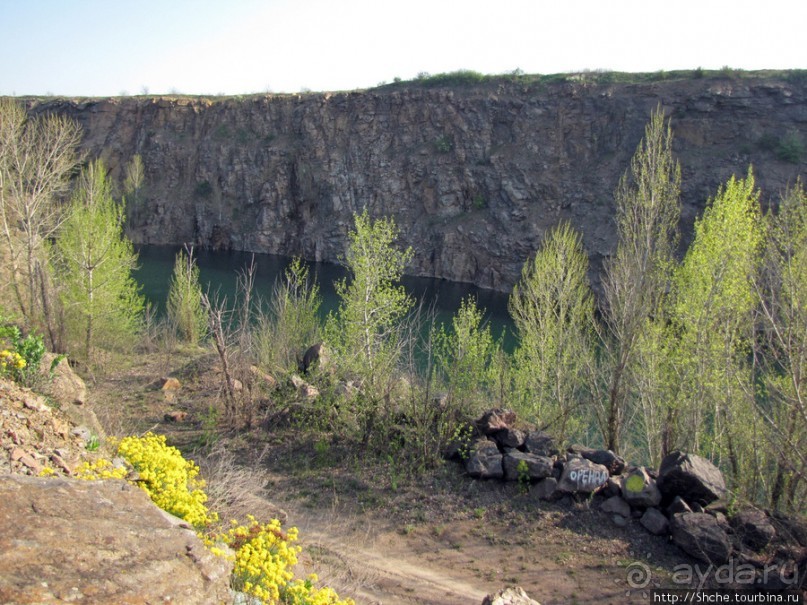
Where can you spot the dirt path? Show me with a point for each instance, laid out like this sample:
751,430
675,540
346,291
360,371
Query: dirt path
461,561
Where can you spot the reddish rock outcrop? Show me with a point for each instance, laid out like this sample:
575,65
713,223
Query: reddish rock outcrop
99,542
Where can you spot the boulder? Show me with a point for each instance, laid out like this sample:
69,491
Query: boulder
693,478
678,505
169,383
654,521
546,489
305,390
582,476
65,540
612,487
616,505
700,535
639,489
615,464
509,596
175,416
263,378
619,520
538,467
484,461
316,356
510,438
495,420
753,528
791,528
538,442
60,382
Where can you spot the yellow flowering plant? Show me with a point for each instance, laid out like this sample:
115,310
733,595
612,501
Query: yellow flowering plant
170,480
10,362
262,563
100,469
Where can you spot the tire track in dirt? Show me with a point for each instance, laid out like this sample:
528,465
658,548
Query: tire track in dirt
390,577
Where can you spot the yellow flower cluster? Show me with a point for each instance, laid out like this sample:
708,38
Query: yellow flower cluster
264,556
303,592
100,469
170,481
10,360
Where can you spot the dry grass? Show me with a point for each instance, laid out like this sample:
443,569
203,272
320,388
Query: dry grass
234,490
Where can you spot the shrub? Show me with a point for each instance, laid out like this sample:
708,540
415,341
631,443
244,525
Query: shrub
20,357
185,298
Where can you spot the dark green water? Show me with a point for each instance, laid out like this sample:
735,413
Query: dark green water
219,270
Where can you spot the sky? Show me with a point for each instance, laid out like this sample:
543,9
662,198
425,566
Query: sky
113,47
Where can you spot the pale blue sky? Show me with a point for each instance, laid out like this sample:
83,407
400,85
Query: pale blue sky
109,47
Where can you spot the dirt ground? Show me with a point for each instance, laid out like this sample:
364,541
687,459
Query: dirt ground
371,531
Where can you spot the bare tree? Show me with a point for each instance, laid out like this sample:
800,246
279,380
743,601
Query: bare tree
37,157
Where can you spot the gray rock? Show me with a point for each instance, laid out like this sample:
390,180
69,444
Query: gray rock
582,476
693,478
509,596
639,489
700,535
484,461
612,487
546,489
495,420
616,505
753,528
678,505
615,464
538,442
619,520
654,521
512,438
538,467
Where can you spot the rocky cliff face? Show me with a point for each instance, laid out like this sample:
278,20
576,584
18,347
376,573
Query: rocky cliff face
474,176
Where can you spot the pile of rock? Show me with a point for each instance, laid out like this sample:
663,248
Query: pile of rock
685,499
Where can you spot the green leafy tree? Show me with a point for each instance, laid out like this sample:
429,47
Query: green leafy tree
781,287
464,358
713,308
292,322
366,332
184,304
93,265
553,309
637,276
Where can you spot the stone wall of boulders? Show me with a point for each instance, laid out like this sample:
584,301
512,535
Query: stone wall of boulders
684,500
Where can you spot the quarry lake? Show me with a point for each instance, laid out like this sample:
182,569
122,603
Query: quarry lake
219,271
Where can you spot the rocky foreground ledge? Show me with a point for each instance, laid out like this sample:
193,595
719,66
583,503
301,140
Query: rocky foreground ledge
68,540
